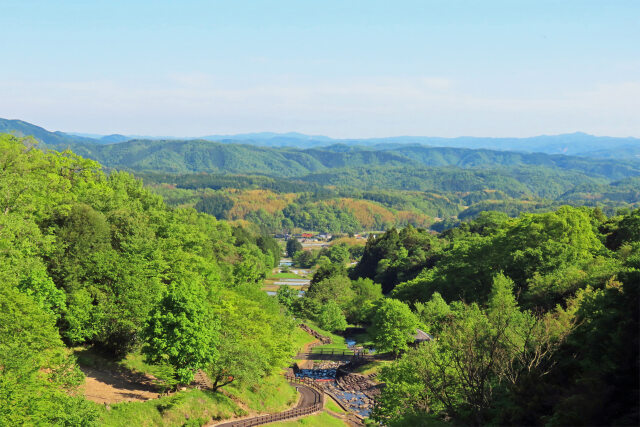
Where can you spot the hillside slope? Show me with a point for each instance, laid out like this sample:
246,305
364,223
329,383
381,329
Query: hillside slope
180,156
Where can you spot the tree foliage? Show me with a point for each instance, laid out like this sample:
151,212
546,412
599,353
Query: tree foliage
394,326
96,259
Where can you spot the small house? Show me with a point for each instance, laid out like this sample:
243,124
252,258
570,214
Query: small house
421,336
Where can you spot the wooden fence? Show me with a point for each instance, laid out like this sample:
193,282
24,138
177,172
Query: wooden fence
280,416
335,354
291,413
309,383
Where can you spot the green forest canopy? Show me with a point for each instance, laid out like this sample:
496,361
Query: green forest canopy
91,259
534,318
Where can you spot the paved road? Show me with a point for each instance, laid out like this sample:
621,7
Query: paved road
309,395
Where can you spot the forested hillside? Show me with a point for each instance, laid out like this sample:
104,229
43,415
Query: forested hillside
21,128
207,156
531,320
349,188
574,144
376,198
346,188
98,261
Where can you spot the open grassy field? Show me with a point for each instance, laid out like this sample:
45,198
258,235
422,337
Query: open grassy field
273,394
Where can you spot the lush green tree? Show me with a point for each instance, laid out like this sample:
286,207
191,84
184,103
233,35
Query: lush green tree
254,338
478,357
304,259
215,204
434,314
293,246
623,229
394,326
534,250
41,288
182,332
338,254
270,247
307,308
361,307
287,297
326,269
596,376
396,256
334,288
331,317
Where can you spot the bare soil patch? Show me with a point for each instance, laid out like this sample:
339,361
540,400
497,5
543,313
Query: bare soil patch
114,386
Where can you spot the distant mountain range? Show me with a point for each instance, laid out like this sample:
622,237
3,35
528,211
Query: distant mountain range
576,144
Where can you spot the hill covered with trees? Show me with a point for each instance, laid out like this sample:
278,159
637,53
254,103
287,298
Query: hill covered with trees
574,144
530,320
532,317
95,260
376,198
207,156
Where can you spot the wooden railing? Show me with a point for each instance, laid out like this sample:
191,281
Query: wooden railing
333,354
309,383
335,351
291,413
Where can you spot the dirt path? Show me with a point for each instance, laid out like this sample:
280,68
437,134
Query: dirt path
307,364
107,386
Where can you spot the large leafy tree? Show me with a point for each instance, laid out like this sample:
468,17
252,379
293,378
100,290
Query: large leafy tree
361,306
395,256
293,246
254,338
334,288
182,332
394,326
331,317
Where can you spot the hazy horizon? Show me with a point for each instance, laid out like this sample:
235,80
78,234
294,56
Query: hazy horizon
291,133
362,69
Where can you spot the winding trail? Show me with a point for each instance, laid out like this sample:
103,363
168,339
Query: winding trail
311,401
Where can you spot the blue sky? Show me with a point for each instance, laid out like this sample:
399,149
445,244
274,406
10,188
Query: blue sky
338,68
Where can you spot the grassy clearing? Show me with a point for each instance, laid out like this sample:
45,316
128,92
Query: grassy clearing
135,362
337,340
320,420
193,407
300,338
331,405
273,394
198,407
372,367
